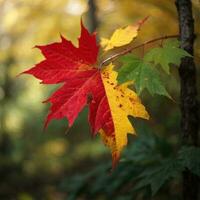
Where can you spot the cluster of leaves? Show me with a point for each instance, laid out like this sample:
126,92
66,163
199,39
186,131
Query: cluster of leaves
148,165
84,84
143,71
109,102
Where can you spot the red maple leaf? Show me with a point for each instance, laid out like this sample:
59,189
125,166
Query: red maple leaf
76,69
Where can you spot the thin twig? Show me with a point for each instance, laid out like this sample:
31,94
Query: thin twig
129,50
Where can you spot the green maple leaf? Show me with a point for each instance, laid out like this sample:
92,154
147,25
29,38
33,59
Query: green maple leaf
143,74
158,175
169,53
189,157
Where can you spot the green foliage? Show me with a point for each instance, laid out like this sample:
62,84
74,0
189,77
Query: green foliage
157,176
190,159
149,163
143,70
169,53
144,75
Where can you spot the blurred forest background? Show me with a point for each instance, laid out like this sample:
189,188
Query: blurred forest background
53,164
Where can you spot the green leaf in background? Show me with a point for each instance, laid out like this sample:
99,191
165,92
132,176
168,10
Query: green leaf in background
158,175
143,74
190,159
148,165
169,53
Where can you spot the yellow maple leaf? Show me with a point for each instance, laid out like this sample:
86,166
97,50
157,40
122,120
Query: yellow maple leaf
122,36
122,102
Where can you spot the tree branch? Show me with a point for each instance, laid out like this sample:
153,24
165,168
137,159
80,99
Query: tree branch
129,50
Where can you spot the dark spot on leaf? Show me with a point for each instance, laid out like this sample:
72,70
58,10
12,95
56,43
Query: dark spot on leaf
132,100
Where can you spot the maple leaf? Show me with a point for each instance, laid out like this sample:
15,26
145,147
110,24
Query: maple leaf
122,102
122,36
169,53
143,74
143,71
83,83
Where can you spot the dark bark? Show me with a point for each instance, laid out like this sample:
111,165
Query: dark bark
188,94
93,22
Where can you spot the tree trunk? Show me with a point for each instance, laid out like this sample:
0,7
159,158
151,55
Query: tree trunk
92,17
188,94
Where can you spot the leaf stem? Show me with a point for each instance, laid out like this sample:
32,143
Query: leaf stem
129,50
